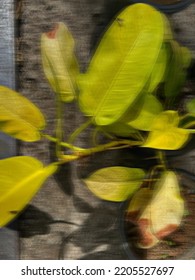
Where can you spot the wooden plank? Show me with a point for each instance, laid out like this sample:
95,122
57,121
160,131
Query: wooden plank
8,236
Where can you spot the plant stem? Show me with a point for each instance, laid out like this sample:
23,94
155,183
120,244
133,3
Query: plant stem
79,130
162,160
99,148
59,135
82,152
107,146
63,144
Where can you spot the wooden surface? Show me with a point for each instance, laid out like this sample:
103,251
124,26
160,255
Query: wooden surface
65,220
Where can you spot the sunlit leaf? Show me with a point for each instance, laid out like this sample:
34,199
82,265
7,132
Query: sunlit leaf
20,178
150,110
166,134
164,212
120,67
59,62
19,117
167,204
115,183
167,140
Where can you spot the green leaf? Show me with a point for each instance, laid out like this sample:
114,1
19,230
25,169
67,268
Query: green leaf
190,106
159,69
151,108
119,129
168,35
19,117
59,62
186,57
176,73
115,183
166,134
187,121
20,178
122,64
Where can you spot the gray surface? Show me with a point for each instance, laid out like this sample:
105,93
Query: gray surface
94,230
8,236
65,220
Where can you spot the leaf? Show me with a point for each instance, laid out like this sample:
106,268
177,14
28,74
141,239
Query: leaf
20,178
190,106
187,121
138,202
151,108
19,117
166,134
176,73
168,35
186,57
138,212
167,204
115,183
59,62
120,67
159,69
119,129
164,212
174,70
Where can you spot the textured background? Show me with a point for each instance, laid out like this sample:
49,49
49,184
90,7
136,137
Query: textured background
64,220
8,236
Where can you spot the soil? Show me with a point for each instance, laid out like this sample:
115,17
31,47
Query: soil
178,245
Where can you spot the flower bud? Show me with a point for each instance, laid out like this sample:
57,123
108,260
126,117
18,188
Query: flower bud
59,62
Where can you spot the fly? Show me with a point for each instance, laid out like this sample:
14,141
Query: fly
120,21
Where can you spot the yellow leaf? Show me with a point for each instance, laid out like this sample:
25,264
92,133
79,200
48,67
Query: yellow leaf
138,202
139,214
59,62
20,178
166,134
122,64
150,110
163,214
19,117
167,204
115,183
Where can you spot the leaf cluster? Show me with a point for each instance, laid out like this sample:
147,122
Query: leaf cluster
128,94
